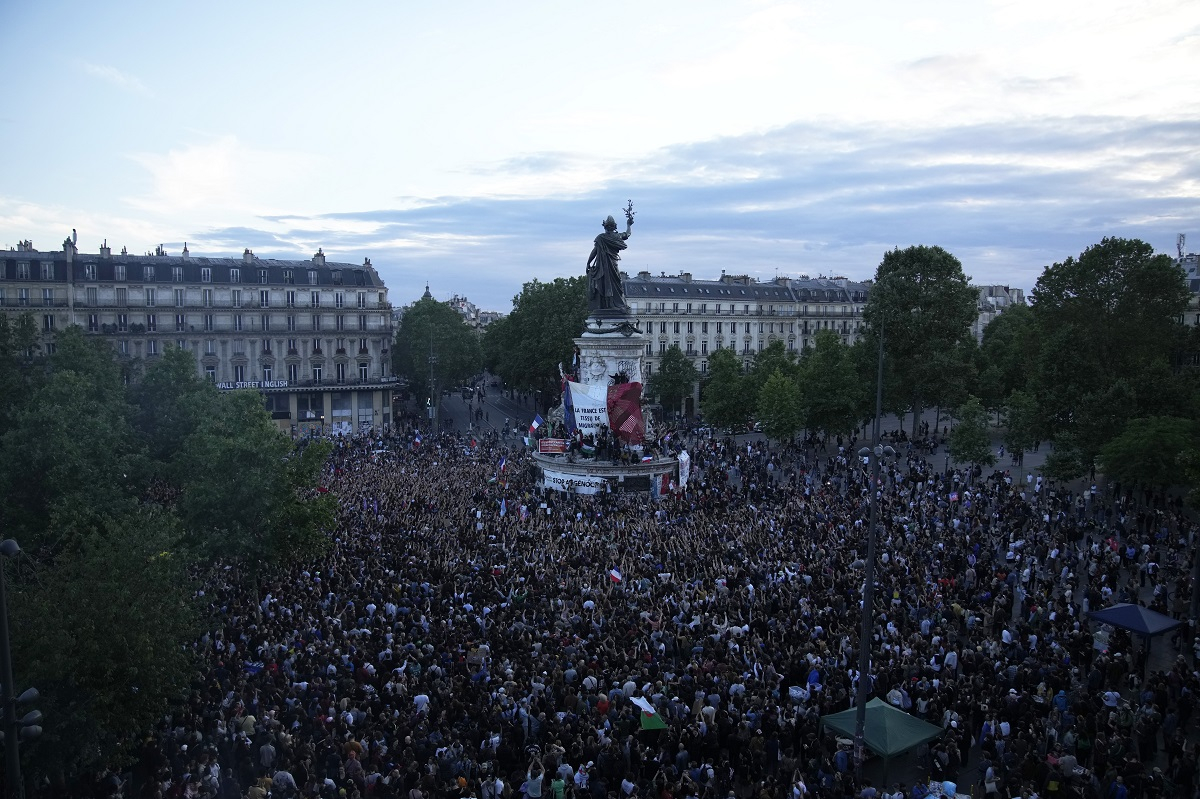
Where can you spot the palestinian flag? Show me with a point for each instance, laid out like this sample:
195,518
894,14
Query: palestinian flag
651,720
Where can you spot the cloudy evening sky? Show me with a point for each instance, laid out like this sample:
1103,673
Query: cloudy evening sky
478,145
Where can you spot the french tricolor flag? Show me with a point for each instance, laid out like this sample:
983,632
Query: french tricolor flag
537,422
614,575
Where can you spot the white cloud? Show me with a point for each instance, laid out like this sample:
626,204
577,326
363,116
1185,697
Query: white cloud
116,77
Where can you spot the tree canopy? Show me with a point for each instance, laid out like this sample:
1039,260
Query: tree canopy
924,307
674,380
526,347
723,395
970,441
1107,324
119,494
833,395
432,328
779,407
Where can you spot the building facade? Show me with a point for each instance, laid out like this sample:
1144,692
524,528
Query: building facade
314,337
740,313
993,301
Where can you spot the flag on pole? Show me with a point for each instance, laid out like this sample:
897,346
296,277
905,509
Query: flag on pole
614,574
647,458
651,720
503,462
503,508
417,439
537,422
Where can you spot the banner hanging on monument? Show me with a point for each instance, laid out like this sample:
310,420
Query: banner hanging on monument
625,412
589,403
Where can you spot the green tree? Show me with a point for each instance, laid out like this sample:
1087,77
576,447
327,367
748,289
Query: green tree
103,630
1020,417
1150,452
723,395
170,401
1107,327
922,302
674,380
434,328
779,407
247,490
771,359
525,350
969,440
833,394
1009,341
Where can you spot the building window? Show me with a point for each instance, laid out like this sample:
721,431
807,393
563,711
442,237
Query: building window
152,347
262,276
293,372
122,322
362,372
151,323
180,298
316,346
291,342
316,374
211,373
181,344
340,372
316,321
704,348
91,296
674,307
119,272
676,328
93,323
291,299
235,297
362,345
22,271
239,373
662,327
341,322
291,323
264,299
362,299
314,299
704,327
151,297
122,298
180,323
205,274
48,297
177,274
312,277
690,324
47,270
362,321
210,347
289,276
89,271
266,345
237,321
48,322
662,348
338,299
649,349
22,296
208,298
208,322
148,274
267,371
123,347
235,275
264,321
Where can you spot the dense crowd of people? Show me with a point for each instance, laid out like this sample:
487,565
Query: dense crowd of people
470,635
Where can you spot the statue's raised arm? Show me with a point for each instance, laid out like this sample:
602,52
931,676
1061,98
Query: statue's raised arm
606,295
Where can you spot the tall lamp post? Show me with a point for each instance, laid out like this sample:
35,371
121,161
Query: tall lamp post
434,400
876,453
27,727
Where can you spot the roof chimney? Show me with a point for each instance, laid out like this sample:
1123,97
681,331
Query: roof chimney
186,254
105,250
247,256
319,258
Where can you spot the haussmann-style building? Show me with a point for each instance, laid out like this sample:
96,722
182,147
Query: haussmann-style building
313,336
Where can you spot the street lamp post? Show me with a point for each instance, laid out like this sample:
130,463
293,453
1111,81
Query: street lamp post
876,453
14,731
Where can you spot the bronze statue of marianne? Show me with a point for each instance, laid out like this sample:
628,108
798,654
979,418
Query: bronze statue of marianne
606,295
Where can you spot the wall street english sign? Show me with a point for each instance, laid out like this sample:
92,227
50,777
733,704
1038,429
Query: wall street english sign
229,386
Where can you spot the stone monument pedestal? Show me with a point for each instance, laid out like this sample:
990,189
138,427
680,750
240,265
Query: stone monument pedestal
610,346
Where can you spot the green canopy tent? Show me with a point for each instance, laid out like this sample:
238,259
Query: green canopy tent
890,731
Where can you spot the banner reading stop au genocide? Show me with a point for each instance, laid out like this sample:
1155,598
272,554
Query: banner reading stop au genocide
590,405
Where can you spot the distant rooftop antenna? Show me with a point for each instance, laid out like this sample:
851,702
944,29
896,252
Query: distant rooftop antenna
1180,240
